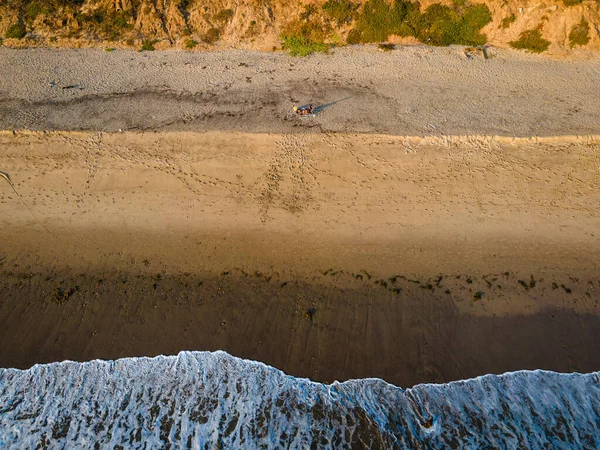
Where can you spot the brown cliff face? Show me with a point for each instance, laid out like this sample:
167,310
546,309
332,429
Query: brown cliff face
258,24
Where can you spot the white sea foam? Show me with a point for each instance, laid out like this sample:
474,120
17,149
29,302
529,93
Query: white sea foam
212,400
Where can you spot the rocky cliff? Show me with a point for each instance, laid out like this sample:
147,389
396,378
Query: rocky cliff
556,27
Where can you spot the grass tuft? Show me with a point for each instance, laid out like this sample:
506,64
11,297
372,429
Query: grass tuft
148,46
190,44
301,46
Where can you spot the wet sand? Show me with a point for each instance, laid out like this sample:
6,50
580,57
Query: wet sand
330,256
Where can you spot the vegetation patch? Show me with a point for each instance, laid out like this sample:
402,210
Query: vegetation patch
16,31
307,34
109,25
212,35
572,2
301,46
32,10
507,21
438,25
531,40
342,12
311,26
378,20
252,30
225,15
580,33
190,44
148,46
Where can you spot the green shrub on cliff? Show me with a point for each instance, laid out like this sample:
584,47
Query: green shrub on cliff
507,21
378,20
473,20
190,44
532,41
341,11
307,34
16,31
441,25
311,26
212,35
108,24
301,46
225,15
580,33
148,46
437,25
32,10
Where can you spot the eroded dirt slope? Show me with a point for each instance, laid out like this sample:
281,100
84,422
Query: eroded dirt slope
259,24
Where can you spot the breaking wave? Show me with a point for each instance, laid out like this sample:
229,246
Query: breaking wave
204,400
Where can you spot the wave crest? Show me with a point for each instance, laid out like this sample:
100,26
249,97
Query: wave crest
213,400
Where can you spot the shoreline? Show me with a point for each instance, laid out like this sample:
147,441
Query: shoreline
418,335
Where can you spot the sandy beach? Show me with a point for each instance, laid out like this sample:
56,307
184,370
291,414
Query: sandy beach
450,230
328,256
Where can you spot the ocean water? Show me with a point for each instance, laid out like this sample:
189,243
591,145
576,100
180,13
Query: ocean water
204,400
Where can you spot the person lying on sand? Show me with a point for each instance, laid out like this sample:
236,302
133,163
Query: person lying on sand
304,111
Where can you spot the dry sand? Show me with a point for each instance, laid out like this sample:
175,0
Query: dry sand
330,256
410,91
